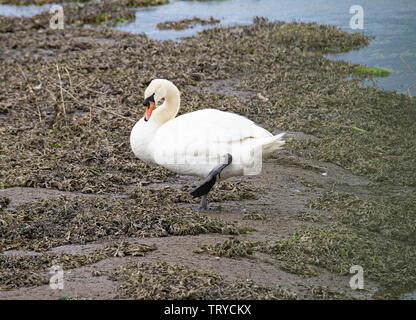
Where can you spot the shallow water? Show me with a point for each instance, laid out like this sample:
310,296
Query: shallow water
409,296
393,24
23,11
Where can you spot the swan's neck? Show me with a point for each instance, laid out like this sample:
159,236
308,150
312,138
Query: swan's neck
143,132
169,109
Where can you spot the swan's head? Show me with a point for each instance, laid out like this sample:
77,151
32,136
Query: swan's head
154,93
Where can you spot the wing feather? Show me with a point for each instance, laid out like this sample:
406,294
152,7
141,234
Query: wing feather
195,142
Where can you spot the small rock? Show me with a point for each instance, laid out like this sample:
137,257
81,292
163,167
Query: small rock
262,98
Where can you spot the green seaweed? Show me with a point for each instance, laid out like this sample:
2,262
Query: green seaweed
371,71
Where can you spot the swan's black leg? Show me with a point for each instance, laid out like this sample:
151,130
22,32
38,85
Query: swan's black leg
206,185
204,203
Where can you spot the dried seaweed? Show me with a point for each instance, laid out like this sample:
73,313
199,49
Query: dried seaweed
44,224
186,23
254,216
160,281
4,202
230,248
25,271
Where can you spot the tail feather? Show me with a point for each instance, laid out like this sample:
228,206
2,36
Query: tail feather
272,143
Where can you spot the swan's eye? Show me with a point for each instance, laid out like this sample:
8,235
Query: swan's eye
160,102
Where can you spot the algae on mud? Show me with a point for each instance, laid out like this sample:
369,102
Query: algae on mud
160,281
222,191
82,12
24,271
324,293
129,3
233,248
107,161
186,23
391,216
45,224
230,248
86,149
4,201
337,248
254,216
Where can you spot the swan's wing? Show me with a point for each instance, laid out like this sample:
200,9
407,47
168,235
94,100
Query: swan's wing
229,125
196,142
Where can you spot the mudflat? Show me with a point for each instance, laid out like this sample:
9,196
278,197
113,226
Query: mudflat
341,193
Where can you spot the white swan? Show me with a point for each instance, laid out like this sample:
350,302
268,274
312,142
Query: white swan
206,143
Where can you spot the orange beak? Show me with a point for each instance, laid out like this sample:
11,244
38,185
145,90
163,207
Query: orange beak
149,110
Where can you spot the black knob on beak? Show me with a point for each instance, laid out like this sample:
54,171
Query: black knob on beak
146,101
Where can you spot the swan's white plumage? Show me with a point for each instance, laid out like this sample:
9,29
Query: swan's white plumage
194,143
